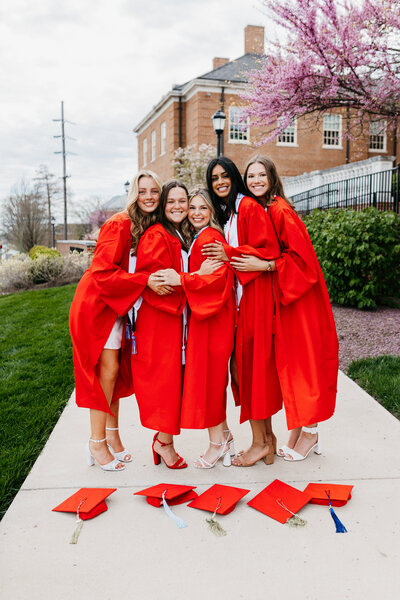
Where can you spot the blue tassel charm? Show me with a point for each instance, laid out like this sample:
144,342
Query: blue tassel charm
127,330
134,351
340,528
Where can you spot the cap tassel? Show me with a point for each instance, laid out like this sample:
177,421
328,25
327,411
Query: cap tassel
295,520
213,524
79,525
180,523
340,528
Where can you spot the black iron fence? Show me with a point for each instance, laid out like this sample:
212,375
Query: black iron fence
381,190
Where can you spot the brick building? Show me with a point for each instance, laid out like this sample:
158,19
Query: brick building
183,117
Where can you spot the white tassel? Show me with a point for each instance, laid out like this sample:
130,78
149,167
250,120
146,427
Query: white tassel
79,525
294,521
213,524
180,523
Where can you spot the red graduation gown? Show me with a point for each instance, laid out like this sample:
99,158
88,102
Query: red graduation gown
306,343
210,339
157,366
105,291
259,391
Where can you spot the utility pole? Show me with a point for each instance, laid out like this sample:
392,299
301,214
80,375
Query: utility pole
64,177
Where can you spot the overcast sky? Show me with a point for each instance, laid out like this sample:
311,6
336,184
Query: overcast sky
110,61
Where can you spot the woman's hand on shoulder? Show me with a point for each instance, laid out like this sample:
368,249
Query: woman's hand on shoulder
156,283
210,265
215,250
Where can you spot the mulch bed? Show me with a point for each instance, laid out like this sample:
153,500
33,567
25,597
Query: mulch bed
364,334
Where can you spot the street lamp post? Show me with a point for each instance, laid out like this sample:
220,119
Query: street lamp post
53,228
126,186
218,121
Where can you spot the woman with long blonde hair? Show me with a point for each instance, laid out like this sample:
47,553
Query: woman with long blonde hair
105,294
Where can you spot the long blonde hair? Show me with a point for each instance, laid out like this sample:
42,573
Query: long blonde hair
275,183
140,221
207,199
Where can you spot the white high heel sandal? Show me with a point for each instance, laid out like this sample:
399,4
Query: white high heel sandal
296,455
123,453
111,466
224,454
231,443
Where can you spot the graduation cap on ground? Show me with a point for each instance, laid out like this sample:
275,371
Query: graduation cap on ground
173,493
221,499
281,502
338,493
86,503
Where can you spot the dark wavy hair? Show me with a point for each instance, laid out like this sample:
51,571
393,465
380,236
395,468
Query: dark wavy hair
238,186
183,227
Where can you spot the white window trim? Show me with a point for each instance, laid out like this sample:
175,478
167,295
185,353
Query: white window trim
384,149
331,147
163,139
144,150
153,139
229,130
289,144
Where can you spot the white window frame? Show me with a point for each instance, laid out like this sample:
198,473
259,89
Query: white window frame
153,145
163,137
238,128
289,130
145,152
383,127
337,146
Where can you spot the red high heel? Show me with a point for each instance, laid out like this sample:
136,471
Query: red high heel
179,464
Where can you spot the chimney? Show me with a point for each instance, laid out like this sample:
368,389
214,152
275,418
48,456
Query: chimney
218,62
254,39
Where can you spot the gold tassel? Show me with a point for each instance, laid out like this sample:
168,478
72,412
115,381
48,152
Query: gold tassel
79,525
213,524
295,520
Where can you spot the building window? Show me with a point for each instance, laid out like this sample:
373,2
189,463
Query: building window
239,130
145,152
377,136
332,131
163,137
288,137
153,146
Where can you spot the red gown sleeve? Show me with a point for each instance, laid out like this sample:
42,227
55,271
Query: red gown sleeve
155,253
117,288
296,266
207,294
255,229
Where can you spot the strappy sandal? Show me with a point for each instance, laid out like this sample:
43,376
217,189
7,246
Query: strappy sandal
121,456
179,464
111,466
292,455
224,453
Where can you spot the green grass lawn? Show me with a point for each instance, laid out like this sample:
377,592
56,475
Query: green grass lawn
380,377
36,378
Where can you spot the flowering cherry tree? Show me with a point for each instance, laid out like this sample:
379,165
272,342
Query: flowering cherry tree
336,55
190,164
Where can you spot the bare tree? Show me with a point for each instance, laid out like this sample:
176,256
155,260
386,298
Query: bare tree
24,219
48,186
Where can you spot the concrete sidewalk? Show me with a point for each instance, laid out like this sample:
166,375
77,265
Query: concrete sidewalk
135,551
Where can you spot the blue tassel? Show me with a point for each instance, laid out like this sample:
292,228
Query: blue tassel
134,350
127,331
340,528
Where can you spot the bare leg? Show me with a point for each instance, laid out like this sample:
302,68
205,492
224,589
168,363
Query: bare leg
107,372
261,447
167,452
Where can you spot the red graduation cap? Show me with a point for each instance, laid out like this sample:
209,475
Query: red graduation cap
221,499
174,494
338,493
90,502
280,501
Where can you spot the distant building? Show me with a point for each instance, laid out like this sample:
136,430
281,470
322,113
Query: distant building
183,117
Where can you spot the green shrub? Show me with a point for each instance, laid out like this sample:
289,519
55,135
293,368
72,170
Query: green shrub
42,250
44,269
359,252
